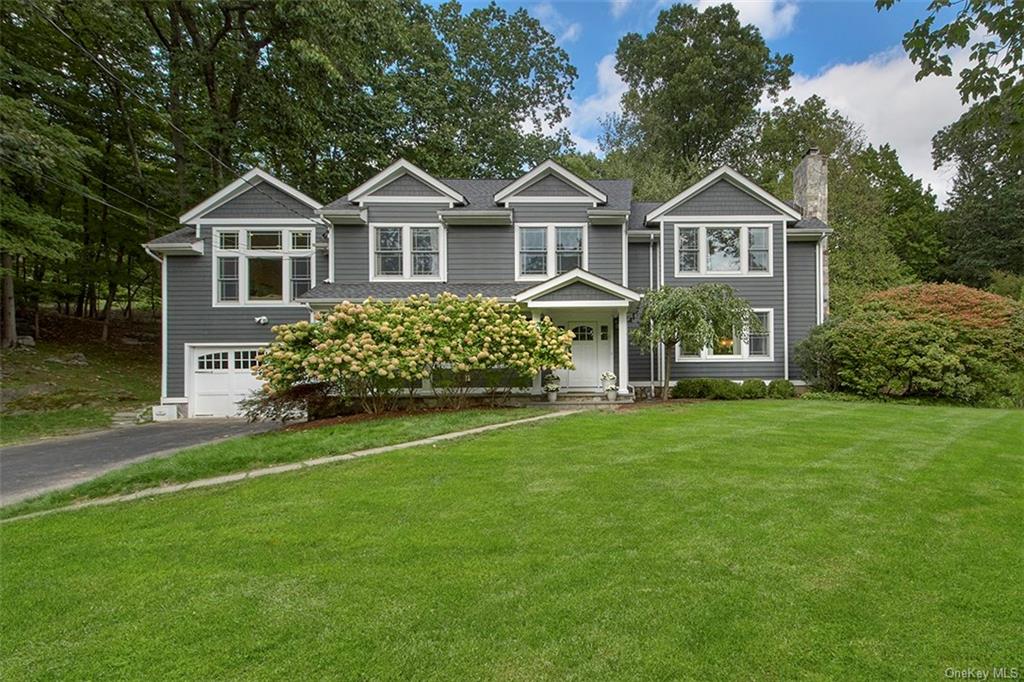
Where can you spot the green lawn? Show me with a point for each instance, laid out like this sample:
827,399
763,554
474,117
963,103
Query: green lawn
759,539
42,398
281,447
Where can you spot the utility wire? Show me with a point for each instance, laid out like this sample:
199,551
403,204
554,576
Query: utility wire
87,195
106,184
159,113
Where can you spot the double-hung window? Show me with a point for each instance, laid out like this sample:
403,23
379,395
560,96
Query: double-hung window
408,252
262,266
754,343
724,250
544,251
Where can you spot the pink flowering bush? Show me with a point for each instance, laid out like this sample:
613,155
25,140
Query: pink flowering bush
372,351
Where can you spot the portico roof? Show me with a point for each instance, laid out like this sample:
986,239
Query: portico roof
587,291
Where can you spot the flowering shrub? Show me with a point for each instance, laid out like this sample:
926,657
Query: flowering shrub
940,340
374,350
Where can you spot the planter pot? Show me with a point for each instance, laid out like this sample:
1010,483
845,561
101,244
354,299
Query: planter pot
610,394
552,396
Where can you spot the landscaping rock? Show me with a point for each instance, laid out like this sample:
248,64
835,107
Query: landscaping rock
76,359
53,359
26,342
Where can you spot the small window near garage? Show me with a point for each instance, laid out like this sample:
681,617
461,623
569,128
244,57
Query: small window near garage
228,240
301,241
245,359
265,241
227,279
213,361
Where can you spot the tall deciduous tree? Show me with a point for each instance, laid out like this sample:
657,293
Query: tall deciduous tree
695,79
696,317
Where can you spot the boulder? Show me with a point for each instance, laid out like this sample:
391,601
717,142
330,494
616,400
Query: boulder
26,342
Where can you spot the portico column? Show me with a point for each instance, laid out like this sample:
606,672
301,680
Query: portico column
536,377
623,353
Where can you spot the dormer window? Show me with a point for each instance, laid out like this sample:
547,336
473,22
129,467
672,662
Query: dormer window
544,251
411,252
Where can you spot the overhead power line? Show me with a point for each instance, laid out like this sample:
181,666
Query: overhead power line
161,114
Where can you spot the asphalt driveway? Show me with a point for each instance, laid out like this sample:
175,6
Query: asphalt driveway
35,468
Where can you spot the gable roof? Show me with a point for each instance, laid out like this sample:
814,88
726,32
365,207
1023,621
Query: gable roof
396,170
577,275
249,181
549,167
739,180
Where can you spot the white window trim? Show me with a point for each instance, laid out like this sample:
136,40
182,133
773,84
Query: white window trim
407,276
243,253
702,270
551,255
744,356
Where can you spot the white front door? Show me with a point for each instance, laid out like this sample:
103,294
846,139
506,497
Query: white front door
586,355
221,377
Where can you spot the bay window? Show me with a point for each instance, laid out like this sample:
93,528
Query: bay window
722,250
414,252
755,343
544,251
263,266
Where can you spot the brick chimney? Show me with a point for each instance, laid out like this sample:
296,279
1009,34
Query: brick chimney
810,185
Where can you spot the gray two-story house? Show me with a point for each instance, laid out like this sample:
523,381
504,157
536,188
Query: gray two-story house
582,252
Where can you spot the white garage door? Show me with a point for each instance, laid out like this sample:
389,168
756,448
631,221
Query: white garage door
220,378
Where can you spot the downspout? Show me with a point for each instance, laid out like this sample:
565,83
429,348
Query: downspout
163,320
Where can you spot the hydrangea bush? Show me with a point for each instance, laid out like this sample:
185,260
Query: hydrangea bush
373,351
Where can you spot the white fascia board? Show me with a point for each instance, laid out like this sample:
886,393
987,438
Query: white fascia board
393,172
481,217
578,275
242,184
177,249
736,178
549,167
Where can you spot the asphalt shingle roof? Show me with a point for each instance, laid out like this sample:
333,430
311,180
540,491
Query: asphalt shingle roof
183,235
339,291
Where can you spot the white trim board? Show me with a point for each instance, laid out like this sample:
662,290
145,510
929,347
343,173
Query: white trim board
579,275
742,183
249,181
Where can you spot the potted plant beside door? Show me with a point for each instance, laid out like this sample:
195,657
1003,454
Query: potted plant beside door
608,380
551,386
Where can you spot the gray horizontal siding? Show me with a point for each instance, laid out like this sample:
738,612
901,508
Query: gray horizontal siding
578,291
405,186
398,213
550,214
550,186
722,198
481,254
604,252
262,201
352,253
191,317
760,292
803,310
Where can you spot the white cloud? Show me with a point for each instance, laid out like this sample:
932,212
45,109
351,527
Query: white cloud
774,18
880,94
619,7
584,123
563,30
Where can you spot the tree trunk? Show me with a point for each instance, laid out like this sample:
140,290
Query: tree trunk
9,337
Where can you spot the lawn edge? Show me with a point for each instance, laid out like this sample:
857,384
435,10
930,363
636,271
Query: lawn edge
285,468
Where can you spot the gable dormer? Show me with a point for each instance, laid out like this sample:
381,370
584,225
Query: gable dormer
255,194
550,182
404,182
724,191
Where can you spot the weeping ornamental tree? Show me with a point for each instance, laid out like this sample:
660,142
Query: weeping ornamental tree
696,317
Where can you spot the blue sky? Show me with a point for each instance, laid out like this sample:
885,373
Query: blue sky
847,52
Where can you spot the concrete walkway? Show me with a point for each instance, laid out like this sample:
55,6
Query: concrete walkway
35,468
295,466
